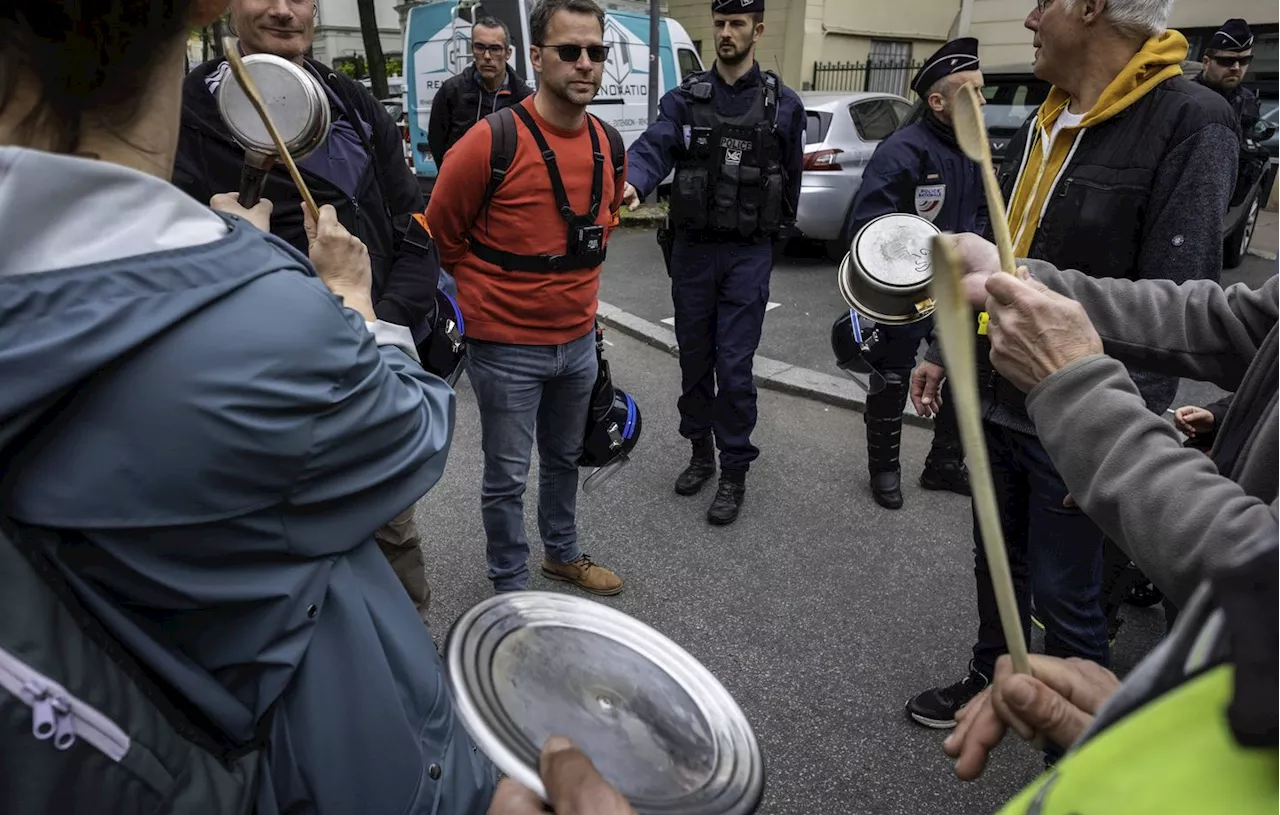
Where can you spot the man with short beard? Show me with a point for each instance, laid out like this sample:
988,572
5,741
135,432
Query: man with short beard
735,137
528,274
485,86
1226,61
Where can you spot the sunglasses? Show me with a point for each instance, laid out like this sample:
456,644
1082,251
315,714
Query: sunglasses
480,49
571,53
1231,62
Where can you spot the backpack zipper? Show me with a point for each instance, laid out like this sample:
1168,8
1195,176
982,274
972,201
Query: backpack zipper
56,714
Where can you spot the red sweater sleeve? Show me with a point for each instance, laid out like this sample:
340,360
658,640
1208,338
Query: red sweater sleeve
458,192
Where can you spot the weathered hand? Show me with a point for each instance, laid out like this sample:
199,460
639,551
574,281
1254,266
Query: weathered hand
1057,702
574,787
229,202
1035,332
926,388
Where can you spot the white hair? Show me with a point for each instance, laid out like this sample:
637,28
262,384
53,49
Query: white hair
1138,18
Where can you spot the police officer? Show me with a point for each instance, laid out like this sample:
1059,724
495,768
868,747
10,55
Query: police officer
735,136
1226,61
920,170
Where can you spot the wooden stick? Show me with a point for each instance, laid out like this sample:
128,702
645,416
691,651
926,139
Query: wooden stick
255,98
954,323
971,134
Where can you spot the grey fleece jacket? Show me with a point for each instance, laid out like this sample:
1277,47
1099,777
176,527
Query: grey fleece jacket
1168,507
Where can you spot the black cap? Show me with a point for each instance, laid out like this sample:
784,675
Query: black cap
958,55
737,6
1233,36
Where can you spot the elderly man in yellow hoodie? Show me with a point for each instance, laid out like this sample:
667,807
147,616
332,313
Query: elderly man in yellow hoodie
1124,171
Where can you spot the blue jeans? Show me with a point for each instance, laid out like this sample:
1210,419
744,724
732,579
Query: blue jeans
521,389
1055,553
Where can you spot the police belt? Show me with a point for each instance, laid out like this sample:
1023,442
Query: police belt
538,263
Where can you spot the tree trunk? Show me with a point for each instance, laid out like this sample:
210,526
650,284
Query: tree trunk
373,48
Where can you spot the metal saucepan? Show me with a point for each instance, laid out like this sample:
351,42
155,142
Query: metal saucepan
524,666
299,109
886,274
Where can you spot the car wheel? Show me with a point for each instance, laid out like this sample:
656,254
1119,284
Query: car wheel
1237,243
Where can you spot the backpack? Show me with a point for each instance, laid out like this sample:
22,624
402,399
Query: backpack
502,150
84,727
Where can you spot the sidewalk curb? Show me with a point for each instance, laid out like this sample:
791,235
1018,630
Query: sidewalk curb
1262,253
769,373
642,221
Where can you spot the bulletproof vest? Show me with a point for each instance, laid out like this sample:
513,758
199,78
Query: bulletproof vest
729,178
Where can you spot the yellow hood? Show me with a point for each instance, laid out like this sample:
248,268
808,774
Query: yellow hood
1159,59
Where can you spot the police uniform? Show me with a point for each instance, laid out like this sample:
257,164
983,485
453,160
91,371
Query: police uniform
919,170
737,151
1233,38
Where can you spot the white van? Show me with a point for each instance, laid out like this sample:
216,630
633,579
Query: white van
437,45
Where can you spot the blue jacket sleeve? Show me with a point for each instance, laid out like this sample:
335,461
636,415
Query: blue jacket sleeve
653,155
793,135
888,184
380,431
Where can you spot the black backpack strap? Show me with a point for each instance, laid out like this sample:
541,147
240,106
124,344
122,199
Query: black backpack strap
502,151
553,170
617,149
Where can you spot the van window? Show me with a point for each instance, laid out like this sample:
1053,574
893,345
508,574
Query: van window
689,63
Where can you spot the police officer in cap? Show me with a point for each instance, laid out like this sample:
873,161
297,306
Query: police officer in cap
920,170
1226,61
735,137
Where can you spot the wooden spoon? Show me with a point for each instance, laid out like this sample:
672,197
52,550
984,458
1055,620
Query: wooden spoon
255,98
971,133
953,320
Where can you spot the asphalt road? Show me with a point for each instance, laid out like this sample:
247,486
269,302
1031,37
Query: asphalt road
819,611
797,330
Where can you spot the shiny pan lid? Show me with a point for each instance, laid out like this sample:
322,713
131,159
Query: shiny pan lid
294,99
524,666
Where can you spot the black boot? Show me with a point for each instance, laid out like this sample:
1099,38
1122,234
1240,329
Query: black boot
884,436
702,465
728,501
944,467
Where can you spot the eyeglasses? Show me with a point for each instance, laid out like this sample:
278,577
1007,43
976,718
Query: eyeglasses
480,49
1231,62
571,53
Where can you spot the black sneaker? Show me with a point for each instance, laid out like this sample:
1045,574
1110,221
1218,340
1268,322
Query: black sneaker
937,707
728,501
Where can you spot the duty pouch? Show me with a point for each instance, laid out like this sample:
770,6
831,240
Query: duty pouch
750,199
689,199
724,203
771,203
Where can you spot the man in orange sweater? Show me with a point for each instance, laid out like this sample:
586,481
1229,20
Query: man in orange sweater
528,275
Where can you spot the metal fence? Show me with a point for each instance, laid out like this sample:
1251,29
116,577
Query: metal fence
883,76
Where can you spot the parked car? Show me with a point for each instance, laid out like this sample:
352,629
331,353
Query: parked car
1013,94
395,108
843,131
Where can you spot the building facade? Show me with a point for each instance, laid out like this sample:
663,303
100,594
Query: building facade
804,39
338,35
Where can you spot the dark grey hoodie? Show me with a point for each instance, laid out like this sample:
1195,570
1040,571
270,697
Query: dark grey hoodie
215,438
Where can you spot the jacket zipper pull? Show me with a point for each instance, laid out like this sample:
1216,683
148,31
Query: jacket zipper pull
65,735
43,720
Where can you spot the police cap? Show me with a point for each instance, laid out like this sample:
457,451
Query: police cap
737,6
958,55
1233,36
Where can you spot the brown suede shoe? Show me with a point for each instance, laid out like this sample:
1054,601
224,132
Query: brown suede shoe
584,574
